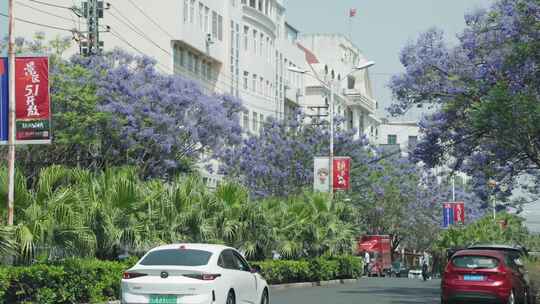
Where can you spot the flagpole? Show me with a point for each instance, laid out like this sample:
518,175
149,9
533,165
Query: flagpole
11,129
352,14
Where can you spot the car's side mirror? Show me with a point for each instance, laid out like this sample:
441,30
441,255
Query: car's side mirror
255,269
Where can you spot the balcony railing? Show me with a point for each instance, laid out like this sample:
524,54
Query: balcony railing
356,98
259,17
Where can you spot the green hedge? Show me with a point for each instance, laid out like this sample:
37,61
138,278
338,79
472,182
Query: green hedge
313,270
94,281
71,281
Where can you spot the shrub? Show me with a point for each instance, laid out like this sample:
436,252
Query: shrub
69,281
313,270
94,281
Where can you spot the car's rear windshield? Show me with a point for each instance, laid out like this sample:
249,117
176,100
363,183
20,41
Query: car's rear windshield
177,257
475,262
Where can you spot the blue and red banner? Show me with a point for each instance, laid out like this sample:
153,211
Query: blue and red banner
453,213
4,100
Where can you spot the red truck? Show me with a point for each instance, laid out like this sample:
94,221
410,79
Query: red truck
379,249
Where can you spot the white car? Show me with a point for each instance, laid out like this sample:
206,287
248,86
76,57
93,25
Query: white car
193,274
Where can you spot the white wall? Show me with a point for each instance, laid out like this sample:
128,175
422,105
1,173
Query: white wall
401,130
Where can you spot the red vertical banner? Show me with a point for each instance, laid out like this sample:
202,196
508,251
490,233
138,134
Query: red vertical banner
342,173
459,212
32,110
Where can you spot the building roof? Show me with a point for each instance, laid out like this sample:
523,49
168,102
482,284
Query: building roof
310,56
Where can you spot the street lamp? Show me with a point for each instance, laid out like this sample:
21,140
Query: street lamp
329,86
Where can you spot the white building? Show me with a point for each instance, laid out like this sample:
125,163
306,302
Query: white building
240,47
334,57
402,135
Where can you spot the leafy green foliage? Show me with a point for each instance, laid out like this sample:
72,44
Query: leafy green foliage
72,281
485,230
311,270
78,213
94,281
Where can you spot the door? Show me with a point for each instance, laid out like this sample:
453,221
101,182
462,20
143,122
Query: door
248,277
241,277
518,279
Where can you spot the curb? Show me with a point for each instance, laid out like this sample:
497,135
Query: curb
311,284
293,285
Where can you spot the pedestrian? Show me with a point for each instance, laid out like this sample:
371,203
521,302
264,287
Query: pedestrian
366,263
424,262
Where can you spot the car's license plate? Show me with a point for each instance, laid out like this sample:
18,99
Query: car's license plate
162,299
472,277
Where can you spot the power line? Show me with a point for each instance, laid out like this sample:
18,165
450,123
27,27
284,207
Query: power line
41,24
140,34
150,18
44,12
51,4
118,36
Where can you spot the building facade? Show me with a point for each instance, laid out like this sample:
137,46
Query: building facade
240,47
333,57
394,136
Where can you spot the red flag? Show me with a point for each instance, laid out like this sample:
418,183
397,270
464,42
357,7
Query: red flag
2,69
352,12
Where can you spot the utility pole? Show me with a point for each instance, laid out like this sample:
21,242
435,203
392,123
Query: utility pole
331,118
11,135
93,11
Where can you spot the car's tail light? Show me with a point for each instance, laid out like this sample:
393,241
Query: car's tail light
132,275
203,276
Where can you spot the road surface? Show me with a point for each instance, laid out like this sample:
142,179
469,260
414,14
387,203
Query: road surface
368,291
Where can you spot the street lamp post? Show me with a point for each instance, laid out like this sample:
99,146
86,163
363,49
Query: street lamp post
329,86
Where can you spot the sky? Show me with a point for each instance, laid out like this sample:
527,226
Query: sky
380,29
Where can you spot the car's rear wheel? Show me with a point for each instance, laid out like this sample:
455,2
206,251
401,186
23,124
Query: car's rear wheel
265,299
231,299
512,298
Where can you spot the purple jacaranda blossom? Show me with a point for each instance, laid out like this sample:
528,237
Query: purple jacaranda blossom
484,93
279,160
159,122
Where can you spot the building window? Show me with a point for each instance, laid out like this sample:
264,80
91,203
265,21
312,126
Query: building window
246,79
413,140
246,38
262,44
246,121
203,69
261,5
254,83
201,12
261,120
186,11
214,24
192,12
268,50
252,3
255,118
392,139
182,55
220,28
261,86
255,41
206,19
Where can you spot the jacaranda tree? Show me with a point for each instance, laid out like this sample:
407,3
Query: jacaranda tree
117,109
279,160
484,91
